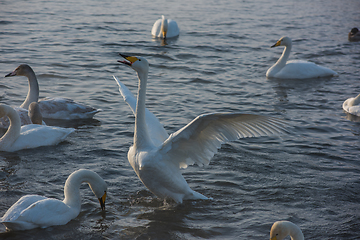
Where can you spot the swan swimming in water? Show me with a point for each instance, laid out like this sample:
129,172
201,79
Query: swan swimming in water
352,105
33,211
165,28
282,229
158,164
354,35
295,69
52,108
19,137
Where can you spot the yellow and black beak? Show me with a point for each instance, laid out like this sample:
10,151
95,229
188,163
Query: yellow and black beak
276,44
102,201
129,60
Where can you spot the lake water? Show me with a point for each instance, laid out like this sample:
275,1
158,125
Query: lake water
218,64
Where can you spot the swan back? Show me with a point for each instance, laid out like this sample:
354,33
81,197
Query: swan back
295,69
165,28
32,211
282,229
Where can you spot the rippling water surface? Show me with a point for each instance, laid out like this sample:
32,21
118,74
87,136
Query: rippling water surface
310,176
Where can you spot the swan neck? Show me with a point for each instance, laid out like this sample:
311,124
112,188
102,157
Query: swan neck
33,93
284,56
72,187
13,132
295,232
141,135
356,101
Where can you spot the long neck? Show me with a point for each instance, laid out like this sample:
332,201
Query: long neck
13,131
141,134
72,187
295,232
355,101
284,57
33,93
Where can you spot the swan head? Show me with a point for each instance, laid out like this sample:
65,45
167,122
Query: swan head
284,41
164,26
34,113
100,189
139,64
22,70
282,229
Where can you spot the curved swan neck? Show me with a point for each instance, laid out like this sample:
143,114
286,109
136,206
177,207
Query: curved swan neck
356,101
141,135
33,93
72,187
295,232
13,131
281,62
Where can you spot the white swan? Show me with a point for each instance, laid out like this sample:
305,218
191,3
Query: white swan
165,28
352,105
24,118
354,35
33,211
156,130
28,136
52,108
282,229
295,69
158,166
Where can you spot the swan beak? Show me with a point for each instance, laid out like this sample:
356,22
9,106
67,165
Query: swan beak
130,60
164,34
276,44
11,74
102,201
273,238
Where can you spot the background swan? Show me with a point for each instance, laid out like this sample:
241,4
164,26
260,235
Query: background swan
52,108
165,28
282,229
354,35
32,211
158,166
295,69
352,105
34,113
24,118
19,137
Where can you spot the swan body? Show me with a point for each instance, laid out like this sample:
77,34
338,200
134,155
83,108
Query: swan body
52,108
282,229
354,35
352,105
28,136
158,165
295,69
24,118
33,211
165,28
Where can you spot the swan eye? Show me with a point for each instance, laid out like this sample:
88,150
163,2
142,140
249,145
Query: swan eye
139,60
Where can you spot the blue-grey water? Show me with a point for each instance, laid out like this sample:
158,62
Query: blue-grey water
218,64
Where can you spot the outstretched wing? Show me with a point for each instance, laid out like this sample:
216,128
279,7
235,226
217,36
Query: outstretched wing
156,131
198,141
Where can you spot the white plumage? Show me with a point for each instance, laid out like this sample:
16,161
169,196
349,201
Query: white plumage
33,211
165,28
158,165
19,137
295,69
282,229
352,105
